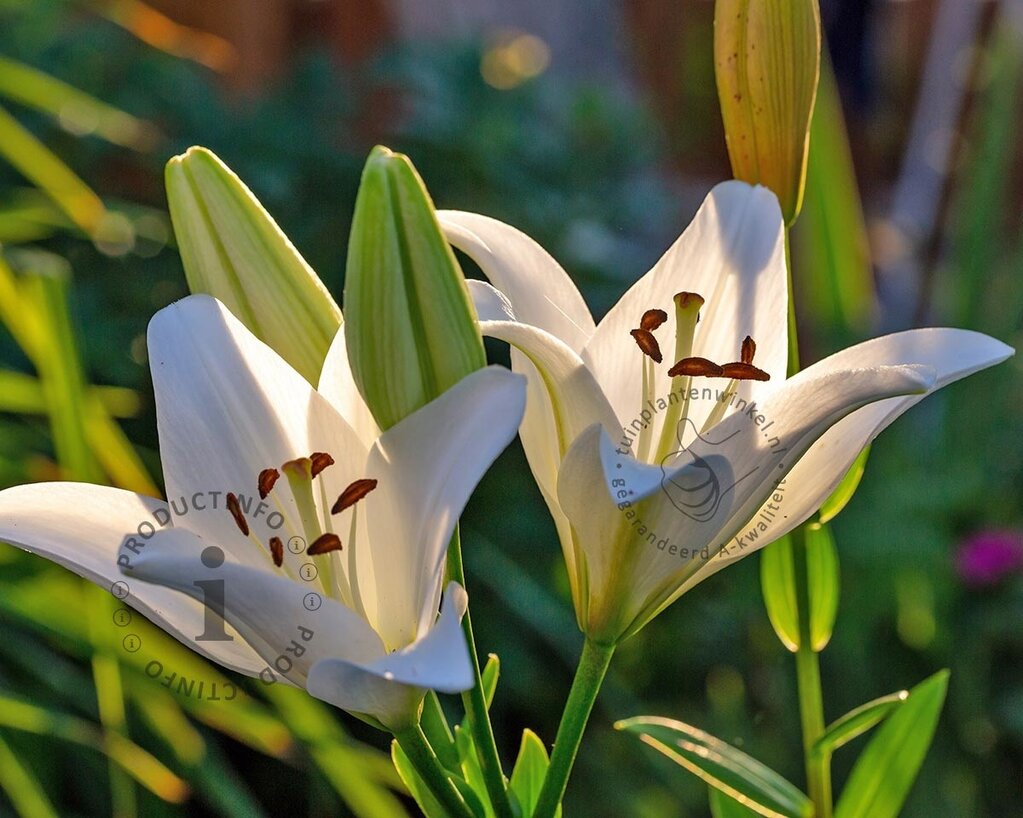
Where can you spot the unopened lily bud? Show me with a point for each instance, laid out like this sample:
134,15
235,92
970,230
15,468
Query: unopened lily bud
767,62
410,325
233,250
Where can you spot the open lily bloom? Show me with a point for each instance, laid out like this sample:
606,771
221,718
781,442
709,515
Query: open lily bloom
323,547
661,467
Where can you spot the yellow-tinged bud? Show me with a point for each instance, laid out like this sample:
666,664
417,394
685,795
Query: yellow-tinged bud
233,250
410,325
767,61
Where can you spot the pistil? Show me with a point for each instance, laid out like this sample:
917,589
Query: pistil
687,315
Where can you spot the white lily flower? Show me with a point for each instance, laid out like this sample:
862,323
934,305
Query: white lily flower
329,540
657,481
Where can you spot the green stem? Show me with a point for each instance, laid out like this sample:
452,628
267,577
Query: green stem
588,677
475,701
808,670
413,743
808,681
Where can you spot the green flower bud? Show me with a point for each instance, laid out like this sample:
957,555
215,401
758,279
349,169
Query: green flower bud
233,250
767,60
411,327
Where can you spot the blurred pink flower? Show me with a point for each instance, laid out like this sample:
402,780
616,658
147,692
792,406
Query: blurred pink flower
987,557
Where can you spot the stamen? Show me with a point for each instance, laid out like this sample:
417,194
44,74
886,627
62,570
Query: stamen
267,479
744,372
696,366
324,545
277,551
652,319
723,402
646,342
236,511
355,492
749,349
320,461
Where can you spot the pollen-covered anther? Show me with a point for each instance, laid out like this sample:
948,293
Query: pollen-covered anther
277,551
351,495
267,480
744,372
696,366
320,461
749,349
652,319
236,511
645,341
324,544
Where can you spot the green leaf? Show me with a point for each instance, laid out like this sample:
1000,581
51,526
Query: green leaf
721,766
416,786
845,490
836,284
823,583
778,584
438,732
233,250
857,722
528,774
724,806
75,110
26,793
43,168
410,324
490,675
475,793
885,772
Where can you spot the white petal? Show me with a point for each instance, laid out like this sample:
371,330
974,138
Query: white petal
732,254
290,624
228,407
563,399
427,466
337,385
704,493
83,527
391,688
540,291
952,353
490,303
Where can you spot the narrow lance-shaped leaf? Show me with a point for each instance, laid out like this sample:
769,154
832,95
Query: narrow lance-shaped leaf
724,806
857,722
722,766
232,249
410,324
528,773
883,775
845,490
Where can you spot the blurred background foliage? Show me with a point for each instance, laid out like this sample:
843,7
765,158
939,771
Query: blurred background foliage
596,131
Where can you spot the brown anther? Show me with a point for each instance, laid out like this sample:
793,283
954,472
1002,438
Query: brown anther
749,349
236,511
277,551
351,495
324,545
696,366
646,342
299,467
267,479
683,300
652,319
744,372
320,461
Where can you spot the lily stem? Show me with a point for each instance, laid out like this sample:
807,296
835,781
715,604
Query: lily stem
808,681
808,669
475,701
589,676
413,743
